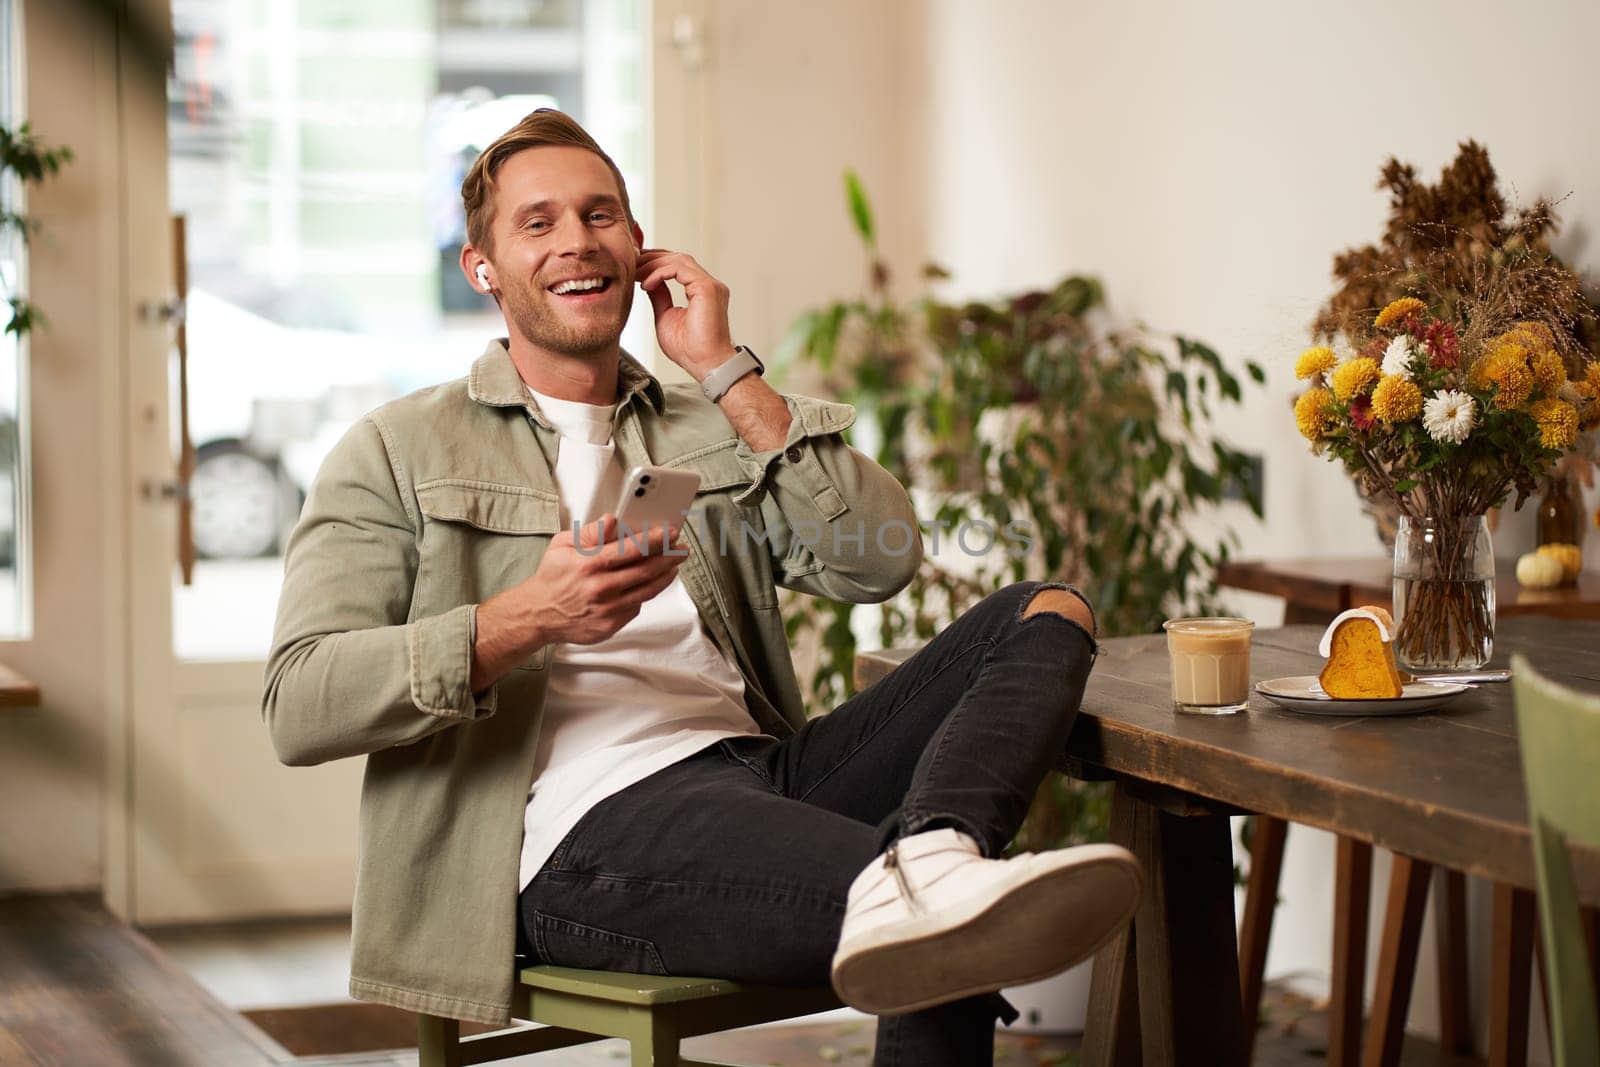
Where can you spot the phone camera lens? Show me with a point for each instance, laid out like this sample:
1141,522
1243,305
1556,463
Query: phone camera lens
638,492
644,479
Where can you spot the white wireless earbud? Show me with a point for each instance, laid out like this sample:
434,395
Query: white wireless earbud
483,277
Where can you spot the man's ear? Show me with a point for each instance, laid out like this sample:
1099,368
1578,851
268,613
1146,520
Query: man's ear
472,261
638,238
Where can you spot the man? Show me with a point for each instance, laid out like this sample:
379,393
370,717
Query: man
594,749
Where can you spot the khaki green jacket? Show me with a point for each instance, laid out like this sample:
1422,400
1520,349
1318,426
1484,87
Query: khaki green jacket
443,498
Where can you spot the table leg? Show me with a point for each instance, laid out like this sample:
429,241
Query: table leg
1511,970
1111,1034
1397,960
1351,898
1539,973
1255,929
1591,932
1450,938
1185,941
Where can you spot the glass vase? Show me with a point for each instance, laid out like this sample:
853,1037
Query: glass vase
1443,593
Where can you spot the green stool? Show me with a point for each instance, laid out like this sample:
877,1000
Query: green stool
652,1013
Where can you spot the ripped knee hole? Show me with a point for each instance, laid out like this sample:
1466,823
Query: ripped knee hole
1062,602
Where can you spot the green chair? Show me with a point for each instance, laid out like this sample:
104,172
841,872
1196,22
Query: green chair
652,1013
1559,730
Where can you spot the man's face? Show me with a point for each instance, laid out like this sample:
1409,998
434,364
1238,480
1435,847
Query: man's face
559,219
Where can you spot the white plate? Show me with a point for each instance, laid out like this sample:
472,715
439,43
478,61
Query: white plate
1304,693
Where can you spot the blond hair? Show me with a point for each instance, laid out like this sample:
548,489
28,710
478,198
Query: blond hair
538,129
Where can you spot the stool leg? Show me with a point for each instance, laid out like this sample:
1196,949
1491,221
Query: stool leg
652,1038
1260,902
438,1042
1397,961
1351,898
1511,971
1450,938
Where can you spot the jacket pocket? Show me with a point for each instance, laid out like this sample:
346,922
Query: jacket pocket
507,509
570,944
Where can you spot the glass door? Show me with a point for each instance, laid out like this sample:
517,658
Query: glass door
314,152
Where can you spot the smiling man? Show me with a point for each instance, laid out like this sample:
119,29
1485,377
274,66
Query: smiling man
593,751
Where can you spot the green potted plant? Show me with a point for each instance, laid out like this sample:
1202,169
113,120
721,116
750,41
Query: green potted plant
1031,409
23,158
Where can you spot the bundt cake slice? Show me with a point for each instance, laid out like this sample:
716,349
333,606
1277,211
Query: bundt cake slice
1359,648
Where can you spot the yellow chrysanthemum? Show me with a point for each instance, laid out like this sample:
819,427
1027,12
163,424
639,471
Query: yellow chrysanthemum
1557,421
1313,361
1396,400
1589,384
1539,331
1511,380
1354,378
1399,309
1511,351
1549,371
1311,413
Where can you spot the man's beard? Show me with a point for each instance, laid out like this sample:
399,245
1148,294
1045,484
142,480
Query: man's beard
543,329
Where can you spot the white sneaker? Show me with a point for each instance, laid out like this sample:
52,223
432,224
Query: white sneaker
932,921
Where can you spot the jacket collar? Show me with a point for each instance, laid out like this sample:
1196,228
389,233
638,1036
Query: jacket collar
494,381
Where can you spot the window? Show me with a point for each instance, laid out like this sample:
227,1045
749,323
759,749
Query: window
15,601
317,152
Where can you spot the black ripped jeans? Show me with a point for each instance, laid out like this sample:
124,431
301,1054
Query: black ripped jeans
734,863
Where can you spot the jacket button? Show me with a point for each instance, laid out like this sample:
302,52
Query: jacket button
793,454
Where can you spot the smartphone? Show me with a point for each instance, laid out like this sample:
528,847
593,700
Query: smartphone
653,497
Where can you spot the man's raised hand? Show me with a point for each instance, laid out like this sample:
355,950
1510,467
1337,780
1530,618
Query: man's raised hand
696,337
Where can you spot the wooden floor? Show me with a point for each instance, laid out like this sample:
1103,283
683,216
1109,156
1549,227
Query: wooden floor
77,987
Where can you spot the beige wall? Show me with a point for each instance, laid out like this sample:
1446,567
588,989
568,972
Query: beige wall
1207,160
51,758
788,96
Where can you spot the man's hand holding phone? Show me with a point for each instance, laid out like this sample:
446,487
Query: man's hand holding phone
583,591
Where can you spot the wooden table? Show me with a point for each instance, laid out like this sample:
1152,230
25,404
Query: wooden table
1441,788
1315,590
16,691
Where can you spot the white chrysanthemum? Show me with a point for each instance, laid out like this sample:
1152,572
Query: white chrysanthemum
1397,358
1449,415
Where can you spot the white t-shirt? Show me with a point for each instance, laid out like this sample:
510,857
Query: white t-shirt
655,692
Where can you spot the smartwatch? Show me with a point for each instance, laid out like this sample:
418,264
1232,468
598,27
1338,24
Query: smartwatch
721,379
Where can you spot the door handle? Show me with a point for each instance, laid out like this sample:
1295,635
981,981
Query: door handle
156,490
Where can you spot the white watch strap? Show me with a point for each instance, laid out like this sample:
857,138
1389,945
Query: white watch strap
721,379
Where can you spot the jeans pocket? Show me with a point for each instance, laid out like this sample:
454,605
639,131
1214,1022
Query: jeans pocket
569,944
750,751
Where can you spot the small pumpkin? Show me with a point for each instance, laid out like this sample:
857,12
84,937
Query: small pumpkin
1538,570
1570,557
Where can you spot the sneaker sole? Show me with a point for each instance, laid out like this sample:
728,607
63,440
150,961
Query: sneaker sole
1004,940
